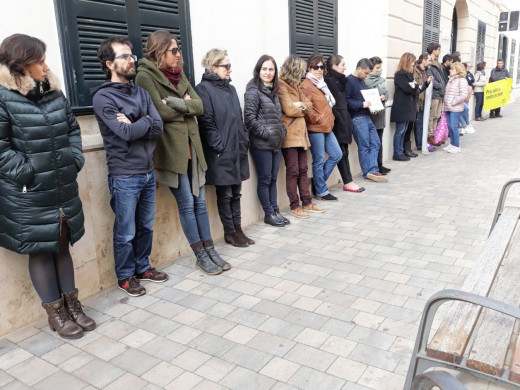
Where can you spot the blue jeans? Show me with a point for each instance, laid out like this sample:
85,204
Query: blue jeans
267,163
464,118
133,202
479,97
400,129
322,143
368,143
192,211
453,119
418,129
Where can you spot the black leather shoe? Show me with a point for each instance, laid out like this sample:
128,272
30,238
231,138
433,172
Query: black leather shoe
401,157
384,170
409,153
281,217
273,220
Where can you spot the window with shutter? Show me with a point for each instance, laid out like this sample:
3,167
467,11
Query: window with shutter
84,24
313,27
432,22
481,40
512,57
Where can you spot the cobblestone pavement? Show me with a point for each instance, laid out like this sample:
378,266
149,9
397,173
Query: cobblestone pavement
331,302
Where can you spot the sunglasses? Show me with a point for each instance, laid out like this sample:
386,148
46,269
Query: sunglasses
227,66
316,67
175,50
126,57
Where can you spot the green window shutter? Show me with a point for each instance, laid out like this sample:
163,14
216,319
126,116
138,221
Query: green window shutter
313,27
481,40
84,24
432,22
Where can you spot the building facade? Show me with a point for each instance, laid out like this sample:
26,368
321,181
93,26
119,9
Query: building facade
72,30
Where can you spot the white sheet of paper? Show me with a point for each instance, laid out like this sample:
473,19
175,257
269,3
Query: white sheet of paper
372,96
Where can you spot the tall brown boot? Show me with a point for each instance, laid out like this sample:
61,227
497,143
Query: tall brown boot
59,320
245,238
75,310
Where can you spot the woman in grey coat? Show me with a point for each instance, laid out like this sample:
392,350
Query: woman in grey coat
40,157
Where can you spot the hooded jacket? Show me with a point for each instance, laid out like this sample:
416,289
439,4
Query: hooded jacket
439,80
40,157
263,118
342,123
129,147
224,136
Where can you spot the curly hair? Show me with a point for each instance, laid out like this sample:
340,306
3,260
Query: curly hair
293,69
157,45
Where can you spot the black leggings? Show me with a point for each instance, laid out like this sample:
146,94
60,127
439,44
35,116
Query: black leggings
53,273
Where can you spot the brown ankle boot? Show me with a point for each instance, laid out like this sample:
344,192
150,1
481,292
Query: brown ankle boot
75,310
59,320
245,238
235,240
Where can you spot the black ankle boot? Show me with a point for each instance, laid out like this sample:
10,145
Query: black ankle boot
214,256
204,262
281,217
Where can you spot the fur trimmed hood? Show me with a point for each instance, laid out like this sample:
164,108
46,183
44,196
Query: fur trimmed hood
8,81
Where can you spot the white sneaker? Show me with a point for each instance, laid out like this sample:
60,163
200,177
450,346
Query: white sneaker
470,129
464,130
446,148
453,149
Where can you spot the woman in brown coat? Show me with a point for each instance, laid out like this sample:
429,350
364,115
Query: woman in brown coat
295,106
320,122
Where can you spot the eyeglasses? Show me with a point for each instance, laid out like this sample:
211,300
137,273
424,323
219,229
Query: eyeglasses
175,50
126,57
316,67
227,66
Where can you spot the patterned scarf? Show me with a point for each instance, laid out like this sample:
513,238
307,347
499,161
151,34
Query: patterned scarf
321,85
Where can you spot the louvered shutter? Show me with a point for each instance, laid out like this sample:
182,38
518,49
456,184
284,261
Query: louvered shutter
313,27
84,24
432,22
481,40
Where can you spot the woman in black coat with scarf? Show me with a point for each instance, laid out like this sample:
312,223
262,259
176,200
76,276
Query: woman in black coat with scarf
336,81
263,118
404,108
225,142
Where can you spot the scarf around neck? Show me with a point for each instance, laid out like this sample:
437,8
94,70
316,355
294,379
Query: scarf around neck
321,85
376,80
173,75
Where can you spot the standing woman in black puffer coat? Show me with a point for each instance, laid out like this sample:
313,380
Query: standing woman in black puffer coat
40,157
263,119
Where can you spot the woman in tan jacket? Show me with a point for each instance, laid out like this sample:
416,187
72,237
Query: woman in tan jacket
320,122
295,106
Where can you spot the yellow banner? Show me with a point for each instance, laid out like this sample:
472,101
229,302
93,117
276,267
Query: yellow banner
497,94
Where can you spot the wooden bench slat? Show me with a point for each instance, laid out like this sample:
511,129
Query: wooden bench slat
514,370
452,337
491,342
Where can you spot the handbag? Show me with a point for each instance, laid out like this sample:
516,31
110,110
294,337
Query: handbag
442,130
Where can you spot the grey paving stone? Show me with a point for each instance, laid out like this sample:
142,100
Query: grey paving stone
375,357
309,379
242,378
272,344
60,380
32,370
135,361
212,345
310,357
247,318
246,357
98,373
40,343
162,348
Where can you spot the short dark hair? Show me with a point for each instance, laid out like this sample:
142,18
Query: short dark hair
432,46
106,53
447,57
334,59
376,60
481,65
365,63
423,56
256,72
500,59
19,50
456,58
314,60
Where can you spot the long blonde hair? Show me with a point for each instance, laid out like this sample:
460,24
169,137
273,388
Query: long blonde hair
404,63
293,69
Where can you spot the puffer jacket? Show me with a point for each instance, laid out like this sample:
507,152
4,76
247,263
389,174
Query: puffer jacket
456,94
40,157
439,80
320,118
480,81
263,118
293,118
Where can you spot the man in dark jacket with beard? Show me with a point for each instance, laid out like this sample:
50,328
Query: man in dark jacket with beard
439,84
499,73
129,124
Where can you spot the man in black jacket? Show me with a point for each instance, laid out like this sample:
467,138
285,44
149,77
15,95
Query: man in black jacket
499,73
129,124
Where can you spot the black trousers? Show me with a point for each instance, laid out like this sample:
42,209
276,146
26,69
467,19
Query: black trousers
344,165
228,204
380,153
495,112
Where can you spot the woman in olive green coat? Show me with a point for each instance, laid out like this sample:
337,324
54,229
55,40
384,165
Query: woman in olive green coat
178,158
